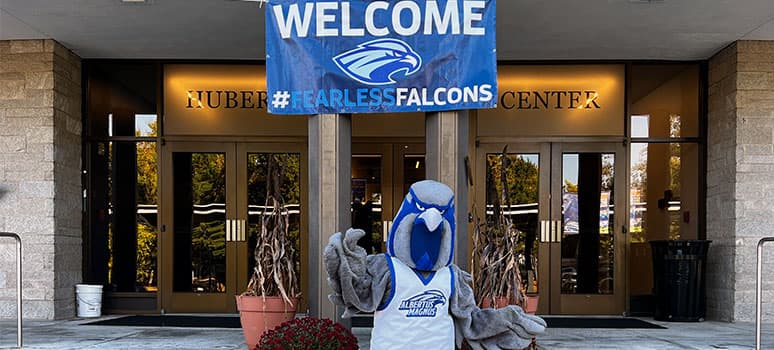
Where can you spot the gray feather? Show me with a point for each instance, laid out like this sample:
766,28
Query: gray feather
360,282
489,328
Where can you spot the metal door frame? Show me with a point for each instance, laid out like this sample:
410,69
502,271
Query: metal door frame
549,207
172,301
602,304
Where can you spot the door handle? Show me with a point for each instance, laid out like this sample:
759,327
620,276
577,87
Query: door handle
386,226
236,230
550,231
242,230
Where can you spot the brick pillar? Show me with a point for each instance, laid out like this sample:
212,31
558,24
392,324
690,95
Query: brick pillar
740,164
40,180
330,173
446,143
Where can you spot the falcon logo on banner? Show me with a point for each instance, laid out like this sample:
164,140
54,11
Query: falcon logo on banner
363,56
374,62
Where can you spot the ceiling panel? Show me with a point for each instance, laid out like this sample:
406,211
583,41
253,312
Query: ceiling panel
764,32
13,28
527,29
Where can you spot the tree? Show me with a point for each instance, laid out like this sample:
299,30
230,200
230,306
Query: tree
147,194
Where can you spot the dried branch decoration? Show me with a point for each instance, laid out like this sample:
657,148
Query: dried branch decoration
275,254
495,259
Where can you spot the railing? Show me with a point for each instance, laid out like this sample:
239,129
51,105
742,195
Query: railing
18,286
758,291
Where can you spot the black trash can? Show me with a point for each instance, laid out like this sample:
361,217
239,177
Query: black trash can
679,268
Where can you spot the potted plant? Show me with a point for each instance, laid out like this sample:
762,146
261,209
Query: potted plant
273,291
308,333
495,259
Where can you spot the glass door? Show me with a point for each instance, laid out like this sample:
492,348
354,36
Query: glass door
214,199
253,163
561,200
371,193
588,187
381,176
526,185
198,250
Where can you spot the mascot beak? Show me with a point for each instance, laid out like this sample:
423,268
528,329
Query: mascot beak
410,60
426,241
432,219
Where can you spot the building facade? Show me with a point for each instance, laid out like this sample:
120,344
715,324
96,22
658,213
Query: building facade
149,176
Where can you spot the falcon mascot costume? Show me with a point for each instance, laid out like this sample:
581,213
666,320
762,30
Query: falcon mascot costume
419,298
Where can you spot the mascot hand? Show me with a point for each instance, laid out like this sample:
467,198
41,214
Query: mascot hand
506,340
525,325
345,261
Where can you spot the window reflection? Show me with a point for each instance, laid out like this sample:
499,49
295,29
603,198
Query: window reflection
664,197
668,96
640,125
588,218
413,170
664,191
122,191
199,217
367,200
145,125
664,176
147,215
522,177
124,229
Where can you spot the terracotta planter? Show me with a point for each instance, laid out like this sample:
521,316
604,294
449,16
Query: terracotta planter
531,307
261,314
532,304
498,302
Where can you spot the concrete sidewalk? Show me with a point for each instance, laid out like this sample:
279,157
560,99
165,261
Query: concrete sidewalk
71,335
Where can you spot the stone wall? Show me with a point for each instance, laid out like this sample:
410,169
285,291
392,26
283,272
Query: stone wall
40,161
740,204
721,169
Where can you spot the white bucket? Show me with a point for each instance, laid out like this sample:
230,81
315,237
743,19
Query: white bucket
89,298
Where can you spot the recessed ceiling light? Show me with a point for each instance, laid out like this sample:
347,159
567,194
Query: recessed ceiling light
136,1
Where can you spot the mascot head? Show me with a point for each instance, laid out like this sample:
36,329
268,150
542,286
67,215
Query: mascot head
422,233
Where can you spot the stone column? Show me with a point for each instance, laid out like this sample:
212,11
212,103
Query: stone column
40,175
740,161
446,139
330,157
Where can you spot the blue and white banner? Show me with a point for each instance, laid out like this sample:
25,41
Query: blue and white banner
366,56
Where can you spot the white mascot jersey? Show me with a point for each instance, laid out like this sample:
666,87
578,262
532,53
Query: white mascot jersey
416,313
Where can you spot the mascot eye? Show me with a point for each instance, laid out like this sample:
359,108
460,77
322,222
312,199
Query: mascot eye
443,211
420,207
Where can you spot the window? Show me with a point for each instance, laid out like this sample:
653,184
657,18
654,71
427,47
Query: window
664,162
122,171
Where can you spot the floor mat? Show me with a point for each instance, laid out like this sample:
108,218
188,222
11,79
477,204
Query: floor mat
233,322
559,322
598,322
172,321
